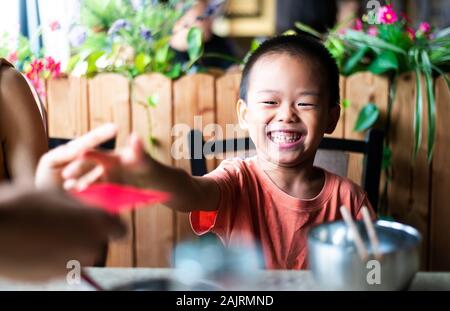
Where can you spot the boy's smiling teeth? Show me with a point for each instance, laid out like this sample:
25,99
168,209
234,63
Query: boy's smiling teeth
283,137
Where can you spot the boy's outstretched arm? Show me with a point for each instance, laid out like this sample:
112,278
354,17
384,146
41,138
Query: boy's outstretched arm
133,166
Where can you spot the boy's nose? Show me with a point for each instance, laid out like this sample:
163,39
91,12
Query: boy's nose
287,113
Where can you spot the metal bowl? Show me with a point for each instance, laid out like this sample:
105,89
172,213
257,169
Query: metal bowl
335,264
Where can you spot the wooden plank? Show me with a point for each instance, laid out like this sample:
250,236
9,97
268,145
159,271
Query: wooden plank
154,226
227,96
109,101
440,209
360,89
67,107
340,127
408,191
193,97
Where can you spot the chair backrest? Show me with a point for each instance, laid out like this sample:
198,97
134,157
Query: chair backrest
332,155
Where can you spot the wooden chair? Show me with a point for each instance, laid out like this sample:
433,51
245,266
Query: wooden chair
332,156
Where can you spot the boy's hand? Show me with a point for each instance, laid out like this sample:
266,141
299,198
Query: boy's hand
48,172
131,165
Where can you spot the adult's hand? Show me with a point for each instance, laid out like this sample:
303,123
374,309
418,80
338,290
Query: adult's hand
48,172
41,230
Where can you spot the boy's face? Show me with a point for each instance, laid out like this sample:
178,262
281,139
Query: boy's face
287,110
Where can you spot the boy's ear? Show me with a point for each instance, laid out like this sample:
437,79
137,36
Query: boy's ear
241,108
333,118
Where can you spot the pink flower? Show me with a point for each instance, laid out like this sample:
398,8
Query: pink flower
56,72
55,25
52,66
411,33
37,66
387,15
50,63
358,25
424,27
12,57
372,31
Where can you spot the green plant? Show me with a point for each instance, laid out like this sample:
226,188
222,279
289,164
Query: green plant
391,47
36,66
130,37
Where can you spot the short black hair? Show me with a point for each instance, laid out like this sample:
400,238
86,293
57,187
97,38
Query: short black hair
301,46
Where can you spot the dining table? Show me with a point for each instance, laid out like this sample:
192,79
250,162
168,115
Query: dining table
112,278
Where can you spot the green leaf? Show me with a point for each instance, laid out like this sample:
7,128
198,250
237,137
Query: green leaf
254,45
152,101
387,158
307,29
373,42
384,62
367,117
431,105
289,32
141,62
174,72
162,54
92,62
345,103
72,62
418,113
195,44
351,63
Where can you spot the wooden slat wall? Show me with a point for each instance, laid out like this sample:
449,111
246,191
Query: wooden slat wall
154,227
440,208
76,105
67,107
408,191
192,96
360,89
227,95
109,101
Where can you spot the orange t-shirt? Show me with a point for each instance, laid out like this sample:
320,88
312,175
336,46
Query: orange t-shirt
252,210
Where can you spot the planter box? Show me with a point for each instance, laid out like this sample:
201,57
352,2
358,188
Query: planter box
417,193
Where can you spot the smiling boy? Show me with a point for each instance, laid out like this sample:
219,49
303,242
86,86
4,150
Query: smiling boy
289,98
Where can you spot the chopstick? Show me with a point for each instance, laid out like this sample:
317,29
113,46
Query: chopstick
372,233
88,279
360,248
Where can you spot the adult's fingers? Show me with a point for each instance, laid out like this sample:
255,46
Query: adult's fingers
91,177
94,138
68,152
77,168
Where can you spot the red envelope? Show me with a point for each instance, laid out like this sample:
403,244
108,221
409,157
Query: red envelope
115,198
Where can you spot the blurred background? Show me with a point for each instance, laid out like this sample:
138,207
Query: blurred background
238,20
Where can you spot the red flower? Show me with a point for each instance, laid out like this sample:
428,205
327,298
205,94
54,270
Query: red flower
52,66
37,66
55,25
411,33
50,63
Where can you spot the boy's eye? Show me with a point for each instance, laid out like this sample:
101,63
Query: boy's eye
269,102
305,105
